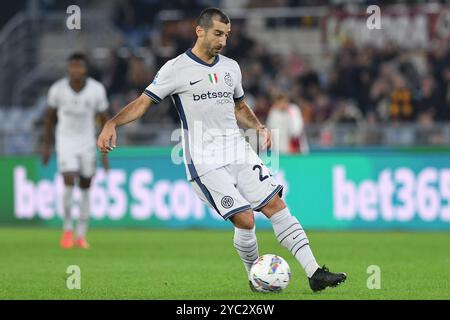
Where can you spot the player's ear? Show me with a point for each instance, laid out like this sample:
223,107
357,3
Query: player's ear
200,32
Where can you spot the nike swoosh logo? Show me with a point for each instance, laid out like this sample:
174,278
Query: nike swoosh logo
194,82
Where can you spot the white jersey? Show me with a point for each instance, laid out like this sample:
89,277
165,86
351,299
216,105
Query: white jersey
289,123
75,129
204,96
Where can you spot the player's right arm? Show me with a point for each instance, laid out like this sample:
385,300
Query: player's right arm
163,85
107,139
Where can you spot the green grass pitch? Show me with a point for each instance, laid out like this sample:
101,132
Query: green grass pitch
196,264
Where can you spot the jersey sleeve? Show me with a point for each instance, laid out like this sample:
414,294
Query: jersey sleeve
102,103
238,90
52,97
163,84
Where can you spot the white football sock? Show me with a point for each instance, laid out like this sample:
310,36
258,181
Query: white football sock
83,219
246,245
67,207
291,235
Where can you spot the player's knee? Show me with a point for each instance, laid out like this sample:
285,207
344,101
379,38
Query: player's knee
85,183
69,179
275,205
244,220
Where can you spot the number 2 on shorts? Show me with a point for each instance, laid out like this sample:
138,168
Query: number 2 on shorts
261,177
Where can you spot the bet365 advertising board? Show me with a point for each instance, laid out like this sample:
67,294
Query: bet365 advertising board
327,190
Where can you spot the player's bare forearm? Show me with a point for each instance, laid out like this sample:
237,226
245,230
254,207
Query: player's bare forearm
246,116
106,141
132,111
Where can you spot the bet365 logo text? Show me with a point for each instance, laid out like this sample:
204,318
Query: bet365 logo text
120,194
112,196
397,195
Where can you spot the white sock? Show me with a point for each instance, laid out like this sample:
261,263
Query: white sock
291,235
83,219
67,206
246,245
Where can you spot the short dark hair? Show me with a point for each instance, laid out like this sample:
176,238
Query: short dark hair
77,56
205,18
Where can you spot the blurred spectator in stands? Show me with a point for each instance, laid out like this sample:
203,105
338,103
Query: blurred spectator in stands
253,75
332,85
439,59
429,101
267,3
139,76
388,53
307,110
309,80
346,112
124,15
401,106
378,103
323,108
260,54
287,118
239,44
113,74
444,112
135,18
184,38
346,83
408,70
365,77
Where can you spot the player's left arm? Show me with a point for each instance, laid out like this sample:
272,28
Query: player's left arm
246,117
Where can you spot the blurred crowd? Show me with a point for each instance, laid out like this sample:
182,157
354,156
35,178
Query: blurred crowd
359,84
362,84
352,85
359,87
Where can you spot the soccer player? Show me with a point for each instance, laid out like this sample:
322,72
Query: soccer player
74,102
207,92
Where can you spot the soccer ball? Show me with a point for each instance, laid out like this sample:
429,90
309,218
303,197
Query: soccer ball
270,273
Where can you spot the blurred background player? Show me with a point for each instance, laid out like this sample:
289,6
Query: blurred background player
287,118
74,102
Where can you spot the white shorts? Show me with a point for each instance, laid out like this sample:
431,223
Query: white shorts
237,187
71,161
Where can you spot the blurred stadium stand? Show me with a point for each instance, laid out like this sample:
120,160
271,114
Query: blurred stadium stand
356,87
